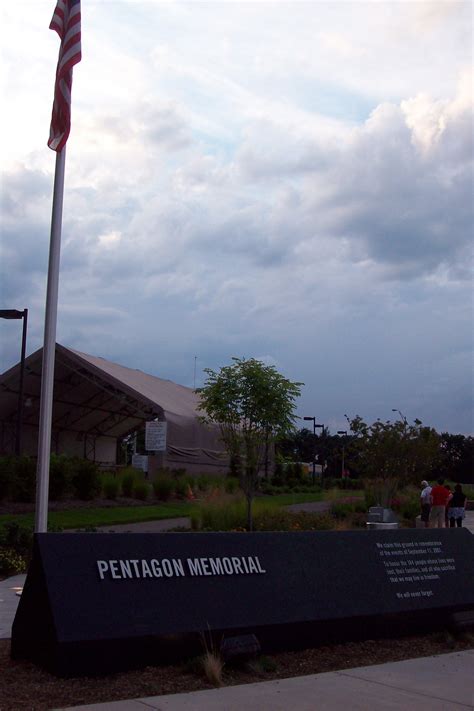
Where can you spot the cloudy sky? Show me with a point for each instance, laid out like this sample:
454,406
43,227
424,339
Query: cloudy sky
286,181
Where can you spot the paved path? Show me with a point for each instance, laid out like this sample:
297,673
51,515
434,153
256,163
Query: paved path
147,526
311,506
441,683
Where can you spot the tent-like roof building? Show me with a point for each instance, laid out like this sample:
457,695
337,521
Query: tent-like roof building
97,403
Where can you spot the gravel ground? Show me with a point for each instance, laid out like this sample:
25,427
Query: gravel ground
26,686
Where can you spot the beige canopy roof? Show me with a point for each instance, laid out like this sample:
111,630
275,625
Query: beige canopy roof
98,398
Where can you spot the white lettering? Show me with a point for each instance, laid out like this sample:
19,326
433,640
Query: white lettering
103,566
135,567
170,567
114,569
125,569
194,566
237,565
227,566
252,567
146,570
178,567
167,569
205,566
216,566
155,566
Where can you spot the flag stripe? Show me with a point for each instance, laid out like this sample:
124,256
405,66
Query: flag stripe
67,23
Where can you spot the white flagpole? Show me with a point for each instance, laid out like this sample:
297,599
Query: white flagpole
49,349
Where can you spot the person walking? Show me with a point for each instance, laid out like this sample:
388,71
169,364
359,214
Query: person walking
439,499
457,507
425,503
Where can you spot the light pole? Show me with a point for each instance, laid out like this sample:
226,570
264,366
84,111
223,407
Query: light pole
315,427
14,314
405,421
343,432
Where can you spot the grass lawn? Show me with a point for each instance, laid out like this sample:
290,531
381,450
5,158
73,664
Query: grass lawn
81,518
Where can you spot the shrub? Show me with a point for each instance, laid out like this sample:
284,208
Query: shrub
16,545
203,482
6,476
224,514
341,511
181,488
468,490
275,519
407,505
85,479
140,490
231,485
298,471
11,562
268,489
163,488
16,537
370,496
380,491
190,481
231,515
235,466
24,479
110,486
128,479
278,478
212,665
59,476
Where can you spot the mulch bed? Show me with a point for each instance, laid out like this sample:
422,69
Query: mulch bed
26,686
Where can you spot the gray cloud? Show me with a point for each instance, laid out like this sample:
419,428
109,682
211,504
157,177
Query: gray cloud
210,210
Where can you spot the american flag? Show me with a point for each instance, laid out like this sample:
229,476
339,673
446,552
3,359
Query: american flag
67,23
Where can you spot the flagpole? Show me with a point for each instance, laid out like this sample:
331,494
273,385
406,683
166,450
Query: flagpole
49,349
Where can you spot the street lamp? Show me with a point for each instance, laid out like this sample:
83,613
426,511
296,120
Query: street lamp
342,432
14,314
315,427
394,409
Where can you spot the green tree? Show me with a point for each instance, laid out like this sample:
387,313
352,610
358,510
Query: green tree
303,445
253,405
394,452
457,457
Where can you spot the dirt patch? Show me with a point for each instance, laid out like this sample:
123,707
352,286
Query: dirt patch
26,686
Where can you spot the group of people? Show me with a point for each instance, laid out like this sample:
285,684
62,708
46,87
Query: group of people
440,507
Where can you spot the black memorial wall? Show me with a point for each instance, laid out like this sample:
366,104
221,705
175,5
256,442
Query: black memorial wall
98,602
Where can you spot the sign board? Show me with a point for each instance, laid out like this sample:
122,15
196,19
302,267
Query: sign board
155,436
140,461
100,602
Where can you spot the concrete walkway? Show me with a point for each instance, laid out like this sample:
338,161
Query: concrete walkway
147,526
441,683
9,602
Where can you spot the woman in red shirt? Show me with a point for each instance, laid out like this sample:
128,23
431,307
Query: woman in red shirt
439,499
